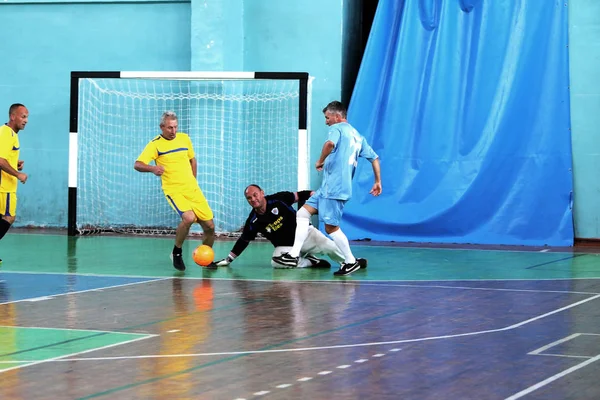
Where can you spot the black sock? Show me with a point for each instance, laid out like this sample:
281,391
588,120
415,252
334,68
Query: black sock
176,250
4,227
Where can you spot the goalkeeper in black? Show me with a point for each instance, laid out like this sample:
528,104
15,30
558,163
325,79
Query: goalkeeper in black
274,217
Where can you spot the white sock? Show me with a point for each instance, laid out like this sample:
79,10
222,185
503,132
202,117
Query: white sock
342,243
302,222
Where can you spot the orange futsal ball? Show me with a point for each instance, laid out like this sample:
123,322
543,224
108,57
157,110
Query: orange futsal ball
203,255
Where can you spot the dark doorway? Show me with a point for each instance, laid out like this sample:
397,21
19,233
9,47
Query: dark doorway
358,18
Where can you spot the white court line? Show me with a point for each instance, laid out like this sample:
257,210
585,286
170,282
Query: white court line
36,299
61,358
563,355
376,282
552,379
546,250
573,336
82,291
480,288
341,346
382,282
328,282
557,342
537,352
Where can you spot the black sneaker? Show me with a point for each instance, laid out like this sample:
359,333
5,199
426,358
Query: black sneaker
363,262
212,265
317,262
286,261
347,268
178,262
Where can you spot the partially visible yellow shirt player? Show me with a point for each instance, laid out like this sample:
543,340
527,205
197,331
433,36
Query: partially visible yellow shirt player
10,165
176,165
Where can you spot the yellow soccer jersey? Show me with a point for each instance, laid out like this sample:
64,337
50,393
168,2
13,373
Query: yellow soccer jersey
174,155
9,150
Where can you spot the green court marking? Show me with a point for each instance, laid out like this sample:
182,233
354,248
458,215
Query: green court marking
28,345
149,257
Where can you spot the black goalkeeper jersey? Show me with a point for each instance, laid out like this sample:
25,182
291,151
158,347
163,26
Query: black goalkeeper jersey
277,224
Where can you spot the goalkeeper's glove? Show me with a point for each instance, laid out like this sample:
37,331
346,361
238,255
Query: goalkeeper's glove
225,262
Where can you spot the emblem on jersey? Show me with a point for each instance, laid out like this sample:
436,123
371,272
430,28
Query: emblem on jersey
275,211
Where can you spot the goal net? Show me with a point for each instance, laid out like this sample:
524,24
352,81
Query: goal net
246,128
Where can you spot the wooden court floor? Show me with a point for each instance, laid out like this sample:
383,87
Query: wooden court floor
108,317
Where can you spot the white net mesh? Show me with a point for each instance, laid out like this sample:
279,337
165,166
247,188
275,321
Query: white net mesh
243,132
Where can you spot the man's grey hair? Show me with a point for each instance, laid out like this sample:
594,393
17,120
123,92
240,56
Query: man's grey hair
335,107
167,115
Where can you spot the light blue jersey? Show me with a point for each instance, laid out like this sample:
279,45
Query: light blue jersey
340,164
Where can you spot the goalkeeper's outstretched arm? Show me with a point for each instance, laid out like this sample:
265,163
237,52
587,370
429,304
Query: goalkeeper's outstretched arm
239,246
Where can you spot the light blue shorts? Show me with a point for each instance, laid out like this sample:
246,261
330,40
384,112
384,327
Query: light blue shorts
330,210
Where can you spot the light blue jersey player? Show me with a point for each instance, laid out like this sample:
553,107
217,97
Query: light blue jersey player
340,164
338,161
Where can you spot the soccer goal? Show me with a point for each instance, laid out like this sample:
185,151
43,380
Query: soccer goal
246,127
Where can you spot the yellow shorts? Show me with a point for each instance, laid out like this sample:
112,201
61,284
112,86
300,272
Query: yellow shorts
193,200
8,204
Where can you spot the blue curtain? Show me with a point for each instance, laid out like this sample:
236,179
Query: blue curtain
467,104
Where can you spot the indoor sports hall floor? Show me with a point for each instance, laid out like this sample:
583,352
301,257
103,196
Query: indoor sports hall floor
108,317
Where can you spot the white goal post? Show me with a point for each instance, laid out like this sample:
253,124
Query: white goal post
246,128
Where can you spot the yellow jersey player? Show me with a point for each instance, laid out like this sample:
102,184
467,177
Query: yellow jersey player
175,163
10,165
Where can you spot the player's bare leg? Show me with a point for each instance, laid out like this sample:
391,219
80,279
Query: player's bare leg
183,229
208,227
